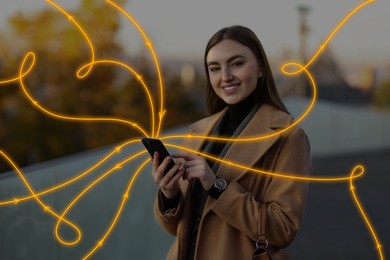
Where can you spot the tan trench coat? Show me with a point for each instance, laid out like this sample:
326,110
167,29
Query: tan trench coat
228,228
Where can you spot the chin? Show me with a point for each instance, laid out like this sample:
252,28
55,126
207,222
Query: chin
232,101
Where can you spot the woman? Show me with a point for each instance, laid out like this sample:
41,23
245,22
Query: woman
212,208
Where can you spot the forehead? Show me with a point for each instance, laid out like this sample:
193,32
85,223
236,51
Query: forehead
225,49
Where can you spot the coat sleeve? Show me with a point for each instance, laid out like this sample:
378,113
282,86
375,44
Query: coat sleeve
168,218
285,198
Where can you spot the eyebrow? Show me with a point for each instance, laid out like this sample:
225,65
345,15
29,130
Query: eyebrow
228,60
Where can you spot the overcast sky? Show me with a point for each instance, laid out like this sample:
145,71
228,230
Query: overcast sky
182,27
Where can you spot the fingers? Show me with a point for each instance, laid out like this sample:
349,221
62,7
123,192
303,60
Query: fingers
185,155
199,169
159,169
165,180
170,181
188,164
193,170
155,161
191,167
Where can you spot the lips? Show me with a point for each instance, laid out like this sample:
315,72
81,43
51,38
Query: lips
231,88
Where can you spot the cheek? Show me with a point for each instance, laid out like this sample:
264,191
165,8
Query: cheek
214,82
250,78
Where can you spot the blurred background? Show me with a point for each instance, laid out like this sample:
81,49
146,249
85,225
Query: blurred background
349,125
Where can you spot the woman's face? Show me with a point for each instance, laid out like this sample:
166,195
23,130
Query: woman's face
233,70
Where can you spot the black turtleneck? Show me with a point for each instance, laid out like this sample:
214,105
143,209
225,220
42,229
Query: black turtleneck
232,119
237,112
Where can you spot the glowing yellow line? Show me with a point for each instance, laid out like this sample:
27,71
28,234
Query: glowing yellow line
80,73
352,188
66,183
162,110
21,75
7,81
125,197
83,192
331,35
82,31
40,202
358,168
149,44
365,218
66,117
139,78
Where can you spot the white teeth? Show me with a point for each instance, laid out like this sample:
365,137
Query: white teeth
231,87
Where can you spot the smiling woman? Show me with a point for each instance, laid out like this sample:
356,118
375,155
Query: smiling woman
220,212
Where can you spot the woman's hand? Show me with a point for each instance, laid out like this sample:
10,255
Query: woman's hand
168,182
196,167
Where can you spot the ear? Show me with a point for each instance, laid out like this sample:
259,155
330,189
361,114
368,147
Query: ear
260,70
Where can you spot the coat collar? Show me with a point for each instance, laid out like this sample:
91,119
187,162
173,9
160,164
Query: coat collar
265,121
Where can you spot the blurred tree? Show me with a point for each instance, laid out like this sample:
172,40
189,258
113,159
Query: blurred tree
382,95
61,49
31,137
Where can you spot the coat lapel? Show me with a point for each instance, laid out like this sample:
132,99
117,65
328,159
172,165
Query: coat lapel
203,128
266,121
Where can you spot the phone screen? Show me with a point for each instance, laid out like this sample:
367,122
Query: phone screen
155,145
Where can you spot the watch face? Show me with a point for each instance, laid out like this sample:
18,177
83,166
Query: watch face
220,184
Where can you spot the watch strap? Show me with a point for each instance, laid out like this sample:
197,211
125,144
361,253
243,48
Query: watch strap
214,192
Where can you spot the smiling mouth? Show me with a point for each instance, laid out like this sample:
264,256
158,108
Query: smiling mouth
231,87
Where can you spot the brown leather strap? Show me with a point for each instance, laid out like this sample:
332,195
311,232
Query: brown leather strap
261,227
261,251
263,218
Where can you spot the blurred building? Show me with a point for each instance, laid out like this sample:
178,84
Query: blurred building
331,81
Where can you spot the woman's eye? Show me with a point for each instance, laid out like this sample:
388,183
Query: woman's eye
237,64
213,69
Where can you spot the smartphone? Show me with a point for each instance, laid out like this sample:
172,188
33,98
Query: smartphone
155,145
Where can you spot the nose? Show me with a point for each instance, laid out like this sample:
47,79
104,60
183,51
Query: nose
226,74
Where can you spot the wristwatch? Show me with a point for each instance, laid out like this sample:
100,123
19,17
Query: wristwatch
218,187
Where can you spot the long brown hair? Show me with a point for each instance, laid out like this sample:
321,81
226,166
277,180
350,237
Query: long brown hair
265,88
